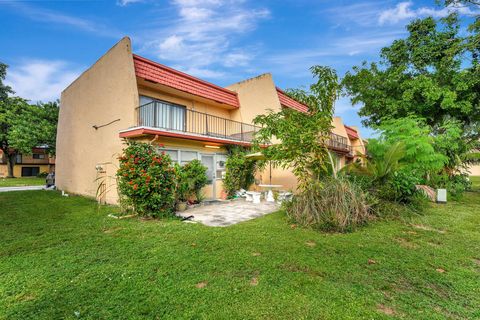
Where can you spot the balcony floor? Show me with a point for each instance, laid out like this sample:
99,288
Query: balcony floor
151,131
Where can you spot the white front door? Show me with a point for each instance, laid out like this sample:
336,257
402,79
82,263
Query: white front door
208,160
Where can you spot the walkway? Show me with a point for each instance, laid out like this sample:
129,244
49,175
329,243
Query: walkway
227,213
25,188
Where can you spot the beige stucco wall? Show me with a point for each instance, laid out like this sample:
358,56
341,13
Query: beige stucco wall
3,170
105,92
256,96
474,170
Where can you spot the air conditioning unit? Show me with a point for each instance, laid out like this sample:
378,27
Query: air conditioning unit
442,195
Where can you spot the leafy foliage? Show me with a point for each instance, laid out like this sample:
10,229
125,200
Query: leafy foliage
456,184
421,156
146,180
194,174
333,205
383,163
426,75
4,89
240,171
298,138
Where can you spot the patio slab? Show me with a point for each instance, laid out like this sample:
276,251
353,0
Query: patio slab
227,213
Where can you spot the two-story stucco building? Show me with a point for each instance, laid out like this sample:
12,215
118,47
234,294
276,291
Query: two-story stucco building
124,95
29,165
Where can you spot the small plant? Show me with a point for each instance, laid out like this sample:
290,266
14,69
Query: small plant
146,181
330,205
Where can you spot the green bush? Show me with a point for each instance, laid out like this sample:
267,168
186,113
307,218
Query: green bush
330,205
146,181
400,187
194,177
183,185
456,185
43,174
240,172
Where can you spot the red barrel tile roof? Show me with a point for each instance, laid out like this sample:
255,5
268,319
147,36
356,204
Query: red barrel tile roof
159,73
352,133
289,102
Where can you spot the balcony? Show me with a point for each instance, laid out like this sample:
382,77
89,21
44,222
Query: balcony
178,119
339,143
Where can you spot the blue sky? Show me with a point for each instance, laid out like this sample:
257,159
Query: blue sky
47,44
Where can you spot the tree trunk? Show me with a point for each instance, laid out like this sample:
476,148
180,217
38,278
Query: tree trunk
11,157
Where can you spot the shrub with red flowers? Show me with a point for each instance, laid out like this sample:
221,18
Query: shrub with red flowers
146,180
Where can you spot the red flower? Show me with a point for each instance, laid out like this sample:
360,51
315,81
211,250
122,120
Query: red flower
135,187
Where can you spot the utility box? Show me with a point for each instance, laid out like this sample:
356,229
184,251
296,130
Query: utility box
442,195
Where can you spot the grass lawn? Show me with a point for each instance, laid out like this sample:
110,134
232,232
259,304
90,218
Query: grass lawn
64,258
21,182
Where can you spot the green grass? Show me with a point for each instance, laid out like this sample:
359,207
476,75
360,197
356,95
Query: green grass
21,182
64,258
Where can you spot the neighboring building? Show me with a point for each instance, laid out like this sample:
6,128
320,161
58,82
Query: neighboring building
29,165
127,96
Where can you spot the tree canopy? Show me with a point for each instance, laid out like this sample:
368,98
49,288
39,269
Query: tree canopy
24,126
434,74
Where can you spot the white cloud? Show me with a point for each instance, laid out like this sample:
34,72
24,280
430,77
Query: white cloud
204,35
404,11
54,17
40,80
124,3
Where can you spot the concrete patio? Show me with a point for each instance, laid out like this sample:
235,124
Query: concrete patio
227,213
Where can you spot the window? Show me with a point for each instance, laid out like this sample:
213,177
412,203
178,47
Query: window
187,156
18,159
214,162
30,171
161,114
38,156
172,153
221,159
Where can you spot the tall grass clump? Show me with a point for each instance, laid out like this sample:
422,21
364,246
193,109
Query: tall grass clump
334,205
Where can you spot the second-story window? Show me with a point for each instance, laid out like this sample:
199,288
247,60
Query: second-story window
161,114
38,156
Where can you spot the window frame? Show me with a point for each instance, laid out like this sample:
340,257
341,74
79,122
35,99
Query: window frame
179,160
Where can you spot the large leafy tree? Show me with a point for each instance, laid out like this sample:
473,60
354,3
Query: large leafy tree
434,74
299,139
24,126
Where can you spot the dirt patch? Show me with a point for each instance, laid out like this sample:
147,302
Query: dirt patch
256,254
441,292
310,244
476,261
201,285
302,269
385,310
434,243
254,281
25,297
427,228
406,243
440,270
